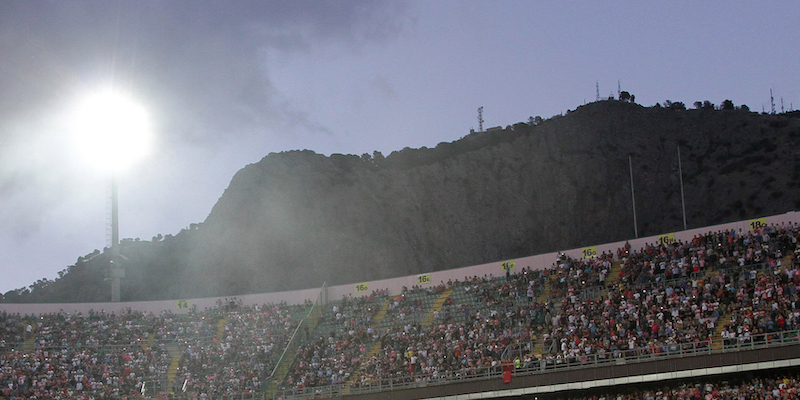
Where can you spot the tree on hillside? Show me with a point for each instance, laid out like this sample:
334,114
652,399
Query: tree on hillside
727,105
678,105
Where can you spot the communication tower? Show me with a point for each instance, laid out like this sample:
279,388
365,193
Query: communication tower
480,119
772,102
597,90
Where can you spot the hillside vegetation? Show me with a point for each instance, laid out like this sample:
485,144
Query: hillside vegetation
298,219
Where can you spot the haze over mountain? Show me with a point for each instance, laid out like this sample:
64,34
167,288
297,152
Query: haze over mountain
298,219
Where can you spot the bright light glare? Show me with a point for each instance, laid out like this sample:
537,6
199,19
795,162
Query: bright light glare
111,130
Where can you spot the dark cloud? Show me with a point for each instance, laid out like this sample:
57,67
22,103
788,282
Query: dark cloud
202,63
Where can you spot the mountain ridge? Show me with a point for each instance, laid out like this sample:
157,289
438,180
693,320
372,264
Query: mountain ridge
296,219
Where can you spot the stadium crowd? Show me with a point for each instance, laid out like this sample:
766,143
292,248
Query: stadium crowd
100,356
662,298
107,355
237,360
667,297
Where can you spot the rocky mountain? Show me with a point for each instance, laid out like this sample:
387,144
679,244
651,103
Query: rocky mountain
298,219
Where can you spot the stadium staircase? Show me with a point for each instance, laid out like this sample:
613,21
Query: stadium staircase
281,371
147,342
545,293
716,338
542,298
29,345
175,360
287,360
613,275
538,347
221,328
437,306
375,348
381,314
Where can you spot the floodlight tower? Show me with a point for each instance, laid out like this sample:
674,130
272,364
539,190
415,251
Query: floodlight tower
113,131
115,271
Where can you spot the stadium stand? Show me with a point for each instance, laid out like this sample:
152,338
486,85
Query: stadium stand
720,303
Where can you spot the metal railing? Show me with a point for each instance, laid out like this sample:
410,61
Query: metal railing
547,365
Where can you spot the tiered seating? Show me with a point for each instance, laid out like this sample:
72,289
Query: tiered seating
113,356
99,356
334,351
247,343
720,290
659,299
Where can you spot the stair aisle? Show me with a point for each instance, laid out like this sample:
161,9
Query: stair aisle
29,345
374,348
716,338
613,275
544,295
437,306
175,359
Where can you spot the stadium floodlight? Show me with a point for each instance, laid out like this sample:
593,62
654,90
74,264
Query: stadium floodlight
112,131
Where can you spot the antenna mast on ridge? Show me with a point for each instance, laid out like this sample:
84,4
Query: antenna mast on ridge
480,119
772,101
597,90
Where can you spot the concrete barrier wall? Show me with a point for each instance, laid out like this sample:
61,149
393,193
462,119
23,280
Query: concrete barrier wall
176,306
395,285
548,260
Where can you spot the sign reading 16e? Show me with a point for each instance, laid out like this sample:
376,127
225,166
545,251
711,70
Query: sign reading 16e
362,287
589,252
424,279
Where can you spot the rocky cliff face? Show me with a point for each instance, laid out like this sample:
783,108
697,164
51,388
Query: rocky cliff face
298,219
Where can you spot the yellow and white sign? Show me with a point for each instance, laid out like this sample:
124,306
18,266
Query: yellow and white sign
589,252
758,223
669,238
362,287
424,279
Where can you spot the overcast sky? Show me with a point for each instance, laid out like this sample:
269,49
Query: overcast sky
227,83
